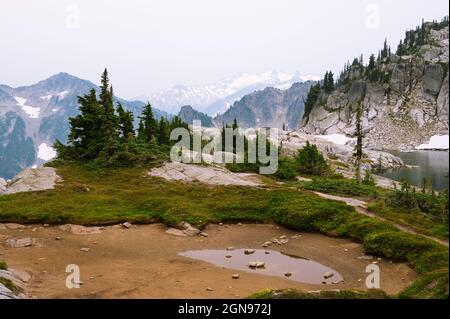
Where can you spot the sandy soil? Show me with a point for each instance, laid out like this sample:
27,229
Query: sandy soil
143,262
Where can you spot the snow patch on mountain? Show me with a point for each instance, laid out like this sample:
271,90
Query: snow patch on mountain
339,139
31,111
437,142
218,97
62,94
46,152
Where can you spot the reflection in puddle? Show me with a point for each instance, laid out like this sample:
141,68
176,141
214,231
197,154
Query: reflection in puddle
275,264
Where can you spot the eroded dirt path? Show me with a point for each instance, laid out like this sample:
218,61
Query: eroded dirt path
144,262
361,207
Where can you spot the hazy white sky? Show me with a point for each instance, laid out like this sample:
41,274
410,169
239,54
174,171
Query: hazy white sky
151,45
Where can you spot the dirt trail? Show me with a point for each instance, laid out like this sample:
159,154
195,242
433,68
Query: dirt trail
361,207
144,262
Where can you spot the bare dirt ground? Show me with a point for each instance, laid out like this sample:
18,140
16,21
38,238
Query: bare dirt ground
143,262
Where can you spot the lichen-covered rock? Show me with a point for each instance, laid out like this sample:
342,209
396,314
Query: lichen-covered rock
204,174
33,179
3,185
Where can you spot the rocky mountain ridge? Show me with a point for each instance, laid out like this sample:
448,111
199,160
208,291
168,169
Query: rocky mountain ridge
404,96
270,107
215,98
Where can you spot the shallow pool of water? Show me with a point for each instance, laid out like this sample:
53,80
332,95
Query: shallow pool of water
275,264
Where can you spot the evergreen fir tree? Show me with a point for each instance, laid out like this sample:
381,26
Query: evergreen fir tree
311,99
148,126
163,132
109,120
358,147
126,119
85,128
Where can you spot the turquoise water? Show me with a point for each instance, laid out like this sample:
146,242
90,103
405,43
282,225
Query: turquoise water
431,164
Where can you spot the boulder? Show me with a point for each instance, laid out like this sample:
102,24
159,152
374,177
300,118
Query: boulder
328,274
3,185
14,226
126,225
249,251
188,229
204,174
432,79
443,102
33,179
20,243
80,230
175,232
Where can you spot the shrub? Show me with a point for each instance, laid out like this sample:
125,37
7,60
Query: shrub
310,161
340,186
432,285
3,265
368,179
396,245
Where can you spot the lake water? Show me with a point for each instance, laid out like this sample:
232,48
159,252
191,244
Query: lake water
431,164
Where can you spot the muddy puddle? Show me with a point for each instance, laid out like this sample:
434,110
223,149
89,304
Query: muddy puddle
270,263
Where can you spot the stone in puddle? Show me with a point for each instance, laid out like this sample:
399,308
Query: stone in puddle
228,256
288,274
230,248
328,274
20,243
256,264
249,251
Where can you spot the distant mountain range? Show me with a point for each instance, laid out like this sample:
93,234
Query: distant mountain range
33,117
270,107
216,98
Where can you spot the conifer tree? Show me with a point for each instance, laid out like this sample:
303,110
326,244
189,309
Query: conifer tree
148,127
109,121
85,127
163,131
358,147
311,99
126,120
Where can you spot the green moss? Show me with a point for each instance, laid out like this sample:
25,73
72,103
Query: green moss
3,265
432,285
296,294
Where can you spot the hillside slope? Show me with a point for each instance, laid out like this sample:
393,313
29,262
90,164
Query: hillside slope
404,96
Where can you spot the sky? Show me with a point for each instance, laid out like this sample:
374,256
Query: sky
151,45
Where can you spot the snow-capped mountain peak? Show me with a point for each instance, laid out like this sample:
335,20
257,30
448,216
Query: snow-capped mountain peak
217,97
